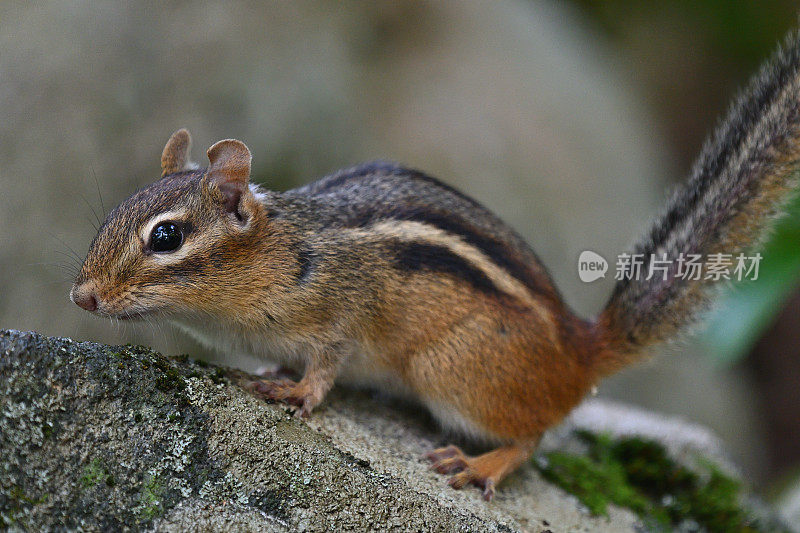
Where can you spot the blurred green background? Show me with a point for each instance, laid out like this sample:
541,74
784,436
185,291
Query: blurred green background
572,120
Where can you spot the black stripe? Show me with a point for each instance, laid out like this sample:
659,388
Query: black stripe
495,250
450,222
307,260
418,256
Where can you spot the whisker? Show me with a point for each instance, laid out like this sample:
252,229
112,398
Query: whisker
76,255
68,255
60,281
79,326
93,224
91,208
73,263
61,266
99,193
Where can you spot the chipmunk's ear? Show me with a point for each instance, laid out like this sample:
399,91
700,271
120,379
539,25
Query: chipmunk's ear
229,171
175,156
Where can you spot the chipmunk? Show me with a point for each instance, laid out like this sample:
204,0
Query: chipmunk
384,276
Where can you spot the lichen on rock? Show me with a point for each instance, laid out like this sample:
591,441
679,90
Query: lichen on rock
97,437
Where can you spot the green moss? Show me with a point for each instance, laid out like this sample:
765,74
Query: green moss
96,472
14,511
19,496
93,473
169,379
638,474
218,376
150,499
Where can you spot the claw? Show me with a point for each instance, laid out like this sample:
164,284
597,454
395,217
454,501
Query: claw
483,471
459,480
450,465
286,391
444,453
488,490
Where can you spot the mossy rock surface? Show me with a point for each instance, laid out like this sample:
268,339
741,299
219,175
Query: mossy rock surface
99,437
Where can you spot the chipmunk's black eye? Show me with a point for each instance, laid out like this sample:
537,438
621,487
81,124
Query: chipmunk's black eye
166,237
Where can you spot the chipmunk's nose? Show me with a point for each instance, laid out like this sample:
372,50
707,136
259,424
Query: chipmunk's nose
84,295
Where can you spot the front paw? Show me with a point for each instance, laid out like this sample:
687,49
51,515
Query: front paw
286,391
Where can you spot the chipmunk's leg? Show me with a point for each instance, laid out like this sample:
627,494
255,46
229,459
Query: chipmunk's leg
306,394
484,471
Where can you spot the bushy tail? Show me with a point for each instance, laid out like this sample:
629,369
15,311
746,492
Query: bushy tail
745,174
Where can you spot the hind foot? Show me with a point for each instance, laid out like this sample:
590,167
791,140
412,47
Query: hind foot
484,471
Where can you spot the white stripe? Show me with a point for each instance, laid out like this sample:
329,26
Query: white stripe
419,231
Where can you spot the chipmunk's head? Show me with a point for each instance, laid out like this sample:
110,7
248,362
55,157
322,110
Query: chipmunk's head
182,245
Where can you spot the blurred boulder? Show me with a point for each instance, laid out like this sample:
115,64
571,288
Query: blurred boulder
514,104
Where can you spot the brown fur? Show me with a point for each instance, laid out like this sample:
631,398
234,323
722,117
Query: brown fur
175,156
382,275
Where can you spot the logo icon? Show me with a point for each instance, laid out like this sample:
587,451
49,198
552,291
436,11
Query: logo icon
591,266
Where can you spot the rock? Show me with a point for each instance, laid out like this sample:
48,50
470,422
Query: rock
97,437
788,502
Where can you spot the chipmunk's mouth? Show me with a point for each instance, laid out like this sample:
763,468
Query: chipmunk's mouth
88,296
131,315
127,312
